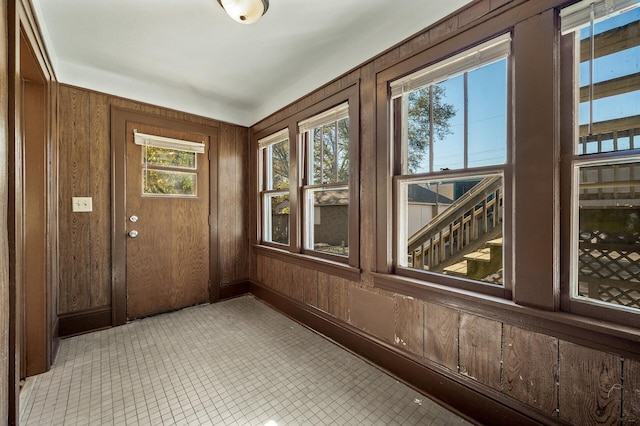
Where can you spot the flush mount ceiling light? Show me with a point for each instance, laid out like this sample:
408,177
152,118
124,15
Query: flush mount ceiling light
245,11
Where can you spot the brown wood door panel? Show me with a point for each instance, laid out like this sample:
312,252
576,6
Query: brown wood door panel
167,263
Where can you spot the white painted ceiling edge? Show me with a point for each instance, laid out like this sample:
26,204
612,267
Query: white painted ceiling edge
190,56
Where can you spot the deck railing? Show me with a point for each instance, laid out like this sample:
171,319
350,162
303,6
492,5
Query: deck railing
471,220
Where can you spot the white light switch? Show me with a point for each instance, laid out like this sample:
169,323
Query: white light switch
81,204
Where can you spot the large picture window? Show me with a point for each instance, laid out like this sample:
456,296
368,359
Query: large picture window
451,152
605,237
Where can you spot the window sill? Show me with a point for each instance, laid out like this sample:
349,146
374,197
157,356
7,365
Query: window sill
322,265
590,332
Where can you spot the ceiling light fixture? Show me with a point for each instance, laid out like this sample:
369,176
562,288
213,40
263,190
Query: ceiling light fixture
245,11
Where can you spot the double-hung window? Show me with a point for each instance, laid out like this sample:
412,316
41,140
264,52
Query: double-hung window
308,185
274,160
604,157
451,167
325,144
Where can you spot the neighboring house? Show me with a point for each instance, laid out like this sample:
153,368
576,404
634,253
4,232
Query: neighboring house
425,204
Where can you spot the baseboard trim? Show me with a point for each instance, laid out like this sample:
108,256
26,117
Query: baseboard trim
234,289
467,402
84,322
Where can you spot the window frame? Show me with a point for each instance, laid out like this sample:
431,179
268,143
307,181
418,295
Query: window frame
305,141
432,74
570,162
347,266
264,191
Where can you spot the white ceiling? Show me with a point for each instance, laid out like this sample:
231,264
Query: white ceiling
190,56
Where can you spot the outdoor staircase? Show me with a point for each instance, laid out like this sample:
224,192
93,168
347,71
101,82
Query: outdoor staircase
480,263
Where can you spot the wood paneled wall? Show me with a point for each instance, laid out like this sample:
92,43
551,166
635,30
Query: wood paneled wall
4,199
541,366
85,171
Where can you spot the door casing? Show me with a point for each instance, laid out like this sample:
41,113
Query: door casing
119,119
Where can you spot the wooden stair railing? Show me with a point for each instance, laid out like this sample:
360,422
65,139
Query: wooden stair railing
463,227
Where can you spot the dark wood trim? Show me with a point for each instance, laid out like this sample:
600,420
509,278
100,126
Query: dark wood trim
351,93
234,289
536,172
84,322
119,118
312,262
597,334
463,396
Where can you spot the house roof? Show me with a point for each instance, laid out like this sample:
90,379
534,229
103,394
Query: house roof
190,56
420,194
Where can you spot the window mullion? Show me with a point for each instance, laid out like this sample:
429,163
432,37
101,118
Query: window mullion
431,129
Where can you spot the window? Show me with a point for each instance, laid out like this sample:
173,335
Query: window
450,138
274,155
605,159
325,184
169,166
308,185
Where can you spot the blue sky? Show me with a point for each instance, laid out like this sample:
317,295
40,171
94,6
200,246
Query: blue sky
626,62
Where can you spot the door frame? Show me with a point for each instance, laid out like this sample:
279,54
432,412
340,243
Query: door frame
119,119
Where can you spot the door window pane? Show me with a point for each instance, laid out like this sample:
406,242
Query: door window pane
167,157
166,182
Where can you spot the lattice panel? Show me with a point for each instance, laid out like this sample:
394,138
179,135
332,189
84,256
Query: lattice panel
609,267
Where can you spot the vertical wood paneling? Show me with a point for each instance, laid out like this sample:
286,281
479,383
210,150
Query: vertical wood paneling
480,346
227,211
529,368
241,233
100,177
260,269
297,282
590,385
85,170
367,174
631,394
310,287
5,356
339,298
441,335
324,291
409,324
75,228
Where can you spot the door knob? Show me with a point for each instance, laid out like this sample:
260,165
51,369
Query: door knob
133,233
133,218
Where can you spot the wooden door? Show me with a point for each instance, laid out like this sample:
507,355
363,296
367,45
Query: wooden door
167,217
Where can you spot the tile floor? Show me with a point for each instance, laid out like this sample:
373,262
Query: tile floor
233,363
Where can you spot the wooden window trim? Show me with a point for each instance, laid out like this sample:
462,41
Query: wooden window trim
568,137
351,95
533,149
389,169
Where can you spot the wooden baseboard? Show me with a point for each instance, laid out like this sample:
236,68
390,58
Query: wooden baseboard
234,289
84,322
452,394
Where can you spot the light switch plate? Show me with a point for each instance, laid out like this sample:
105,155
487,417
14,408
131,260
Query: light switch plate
81,204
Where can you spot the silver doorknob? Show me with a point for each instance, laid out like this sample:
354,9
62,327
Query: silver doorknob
133,233
133,218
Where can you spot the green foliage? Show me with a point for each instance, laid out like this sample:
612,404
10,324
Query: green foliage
280,164
331,153
163,182
421,122
156,156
